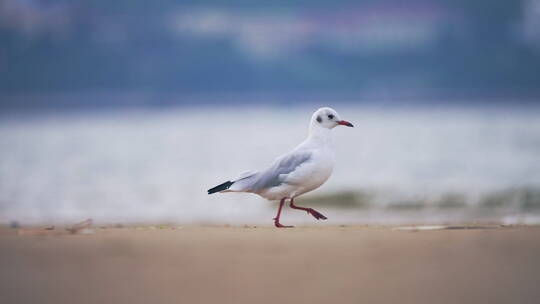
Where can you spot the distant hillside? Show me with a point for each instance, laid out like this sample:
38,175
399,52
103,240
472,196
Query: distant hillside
418,47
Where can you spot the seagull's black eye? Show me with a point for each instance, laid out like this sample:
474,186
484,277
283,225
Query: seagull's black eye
330,116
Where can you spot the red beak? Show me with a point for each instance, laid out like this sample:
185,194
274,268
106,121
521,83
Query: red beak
345,123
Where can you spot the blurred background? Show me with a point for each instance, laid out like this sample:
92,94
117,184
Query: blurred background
129,110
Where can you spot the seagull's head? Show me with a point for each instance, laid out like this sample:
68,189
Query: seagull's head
328,118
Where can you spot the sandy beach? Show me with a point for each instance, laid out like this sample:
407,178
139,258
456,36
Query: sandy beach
221,264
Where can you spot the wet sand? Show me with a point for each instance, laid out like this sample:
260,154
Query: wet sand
351,264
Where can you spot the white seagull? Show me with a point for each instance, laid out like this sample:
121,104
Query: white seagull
303,169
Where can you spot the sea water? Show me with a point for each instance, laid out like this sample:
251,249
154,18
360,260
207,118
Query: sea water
155,165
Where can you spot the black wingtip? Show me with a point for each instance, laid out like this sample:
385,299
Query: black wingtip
220,187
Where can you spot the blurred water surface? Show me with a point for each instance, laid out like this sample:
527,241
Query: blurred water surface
148,165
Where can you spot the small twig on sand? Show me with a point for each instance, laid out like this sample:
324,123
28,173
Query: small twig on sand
80,226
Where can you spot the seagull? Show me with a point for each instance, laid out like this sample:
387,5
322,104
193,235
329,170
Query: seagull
304,169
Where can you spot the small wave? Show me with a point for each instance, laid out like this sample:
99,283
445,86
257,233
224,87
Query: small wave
520,198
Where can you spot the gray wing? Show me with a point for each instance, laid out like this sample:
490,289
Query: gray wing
276,174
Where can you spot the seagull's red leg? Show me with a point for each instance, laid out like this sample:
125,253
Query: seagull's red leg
316,214
276,219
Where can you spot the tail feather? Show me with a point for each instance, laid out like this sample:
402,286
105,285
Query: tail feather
220,187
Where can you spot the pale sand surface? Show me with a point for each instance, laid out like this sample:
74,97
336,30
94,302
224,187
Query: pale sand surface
197,264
